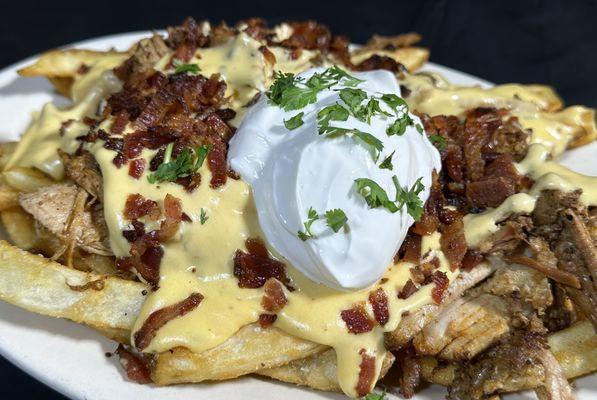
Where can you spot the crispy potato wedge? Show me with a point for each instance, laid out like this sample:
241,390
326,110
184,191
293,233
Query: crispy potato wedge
251,349
43,286
63,63
6,151
9,197
26,179
20,227
317,372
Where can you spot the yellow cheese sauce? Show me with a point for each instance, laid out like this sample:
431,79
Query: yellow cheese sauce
434,96
200,257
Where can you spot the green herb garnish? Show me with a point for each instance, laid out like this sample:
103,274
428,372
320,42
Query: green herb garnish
335,219
294,122
376,196
181,67
398,127
387,162
203,216
410,198
376,396
312,216
186,163
438,141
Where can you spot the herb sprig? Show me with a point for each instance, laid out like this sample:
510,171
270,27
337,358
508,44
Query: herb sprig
375,196
335,219
186,163
181,67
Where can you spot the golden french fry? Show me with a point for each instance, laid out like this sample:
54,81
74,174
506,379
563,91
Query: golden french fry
6,150
20,227
251,349
43,286
412,58
26,179
63,63
9,197
317,372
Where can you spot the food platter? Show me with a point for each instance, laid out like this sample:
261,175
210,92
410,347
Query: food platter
72,358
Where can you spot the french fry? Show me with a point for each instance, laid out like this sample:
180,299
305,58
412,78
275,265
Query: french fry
43,286
63,63
317,372
6,150
26,179
9,197
20,227
251,349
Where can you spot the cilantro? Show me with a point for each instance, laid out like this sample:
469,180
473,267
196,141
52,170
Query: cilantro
410,198
419,128
398,127
438,141
387,162
370,140
186,163
353,98
312,217
393,101
372,108
294,122
336,73
203,216
181,67
374,195
282,83
335,219
376,396
335,112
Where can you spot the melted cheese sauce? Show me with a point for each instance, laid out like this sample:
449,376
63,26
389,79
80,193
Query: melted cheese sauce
200,257
556,130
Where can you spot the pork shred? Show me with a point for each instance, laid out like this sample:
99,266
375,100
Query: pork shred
357,320
137,206
379,303
161,317
135,367
366,374
274,298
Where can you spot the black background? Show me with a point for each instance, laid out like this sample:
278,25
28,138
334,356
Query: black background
552,42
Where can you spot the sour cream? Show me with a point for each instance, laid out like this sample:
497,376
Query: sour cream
291,171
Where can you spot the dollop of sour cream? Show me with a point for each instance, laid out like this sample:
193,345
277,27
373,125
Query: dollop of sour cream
292,171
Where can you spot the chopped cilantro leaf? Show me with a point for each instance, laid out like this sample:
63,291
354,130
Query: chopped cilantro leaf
294,122
372,108
387,162
374,195
410,198
335,219
282,83
438,141
336,73
419,128
398,127
352,97
334,112
186,163
393,101
181,67
370,140
376,396
203,216
312,217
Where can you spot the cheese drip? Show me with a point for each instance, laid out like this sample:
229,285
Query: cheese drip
199,258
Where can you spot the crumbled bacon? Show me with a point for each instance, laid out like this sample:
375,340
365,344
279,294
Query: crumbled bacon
366,374
410,251
173,214
453,243
136,168
137,206
218,164
490,192
136,369
407,290
161,317
256,247
471,259
253,271
357,320
119,123
138,230
440,280
145,257
409,371
274,298
308,35
64,126
267,320
268,56
379,303
377,61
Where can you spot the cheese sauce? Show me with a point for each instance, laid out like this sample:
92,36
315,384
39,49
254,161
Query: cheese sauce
200,257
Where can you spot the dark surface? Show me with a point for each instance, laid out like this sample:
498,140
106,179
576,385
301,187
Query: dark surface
552,42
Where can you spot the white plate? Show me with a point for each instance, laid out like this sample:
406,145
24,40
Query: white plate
70,358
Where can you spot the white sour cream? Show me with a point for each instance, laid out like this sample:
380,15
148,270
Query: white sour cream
292,170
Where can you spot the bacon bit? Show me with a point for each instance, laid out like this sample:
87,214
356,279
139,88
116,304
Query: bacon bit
185,217
218,164
256,247
471,259
426,225
149,265
268,56
136,168
64,126
173,213
453,243
410,251
136,369
438,293
308,35
409,371
366,374
357,320
274,298
138,230
97,284
221,128
267,320
377,61
253,271
137,206
490,192
119,123
379,303
407,290
558,275
159,318
83,69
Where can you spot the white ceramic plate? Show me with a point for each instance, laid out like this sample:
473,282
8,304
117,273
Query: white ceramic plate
71,358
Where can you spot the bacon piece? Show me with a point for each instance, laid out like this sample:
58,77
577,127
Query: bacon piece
134,234
274,298
379,303
410,251
64,126
357,320
267,320
256,247
159,318
136,168
407,290
119,123
137,206
453,243
409,371
218,164
377,61
136,369
438,293
308,35
268,56
471,259
490,192
366,374
253,271
173,213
